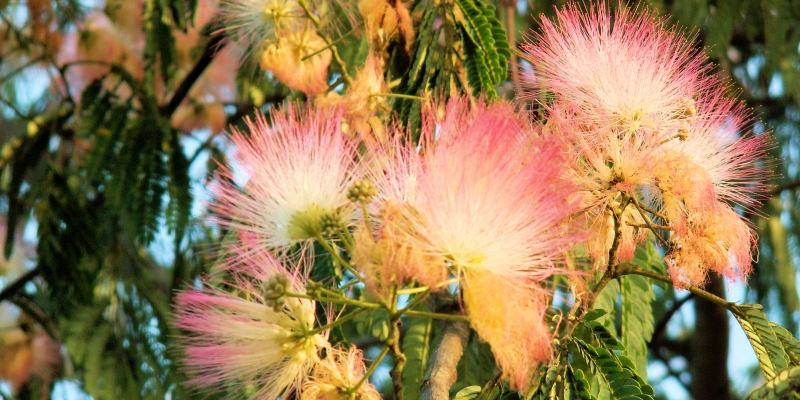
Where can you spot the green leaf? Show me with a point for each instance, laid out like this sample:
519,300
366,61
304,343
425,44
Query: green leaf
179,209
785,385
789,342
486,49
374,322
769,349
476,366
416,346
468,393
616,371
637,319
579,383
606,301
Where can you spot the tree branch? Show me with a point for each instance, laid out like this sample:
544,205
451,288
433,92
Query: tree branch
17,285
661,326
785,186
214,45
627,269
442,372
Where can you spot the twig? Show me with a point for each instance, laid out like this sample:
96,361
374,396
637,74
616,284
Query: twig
214,45
628,269
785,186
18,284
511,11
661,326
334,51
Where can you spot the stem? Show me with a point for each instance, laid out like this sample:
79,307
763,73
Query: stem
419,289
364,210
417,300
334,300
393,343
371,369
650,223
212,47
347,238
648,209
398,95
337,322
18,284
336,256
335,42
630,269
338,59
511,11
433,315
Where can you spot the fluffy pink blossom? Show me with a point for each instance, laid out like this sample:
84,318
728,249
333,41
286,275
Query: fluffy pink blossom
286,175
236,339
645,120
485,196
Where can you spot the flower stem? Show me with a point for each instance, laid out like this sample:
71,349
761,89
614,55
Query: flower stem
333,43
425,314
649,223
337,322
398,95
369,372
334,300
338,59
336,256
630,269
419,289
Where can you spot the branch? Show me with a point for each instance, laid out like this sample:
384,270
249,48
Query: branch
627,269
20,283
661,326
442,372
215,44
785,186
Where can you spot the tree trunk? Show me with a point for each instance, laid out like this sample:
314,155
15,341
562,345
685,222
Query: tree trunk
709,357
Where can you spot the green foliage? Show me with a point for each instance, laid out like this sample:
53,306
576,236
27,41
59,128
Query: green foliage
116,349
374,323
769,349
471,60
637,313
606,301
790,344
416,346
468,393
476,366
786,385
486,50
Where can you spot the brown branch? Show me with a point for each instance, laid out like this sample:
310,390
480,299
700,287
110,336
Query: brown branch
661,326
511,12
18,284
785,186
442,372
214,45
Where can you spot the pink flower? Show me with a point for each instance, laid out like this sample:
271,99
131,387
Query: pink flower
646,122
240,339
485,196
286,176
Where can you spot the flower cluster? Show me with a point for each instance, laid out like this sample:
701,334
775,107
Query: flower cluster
654,140
485,206
497,228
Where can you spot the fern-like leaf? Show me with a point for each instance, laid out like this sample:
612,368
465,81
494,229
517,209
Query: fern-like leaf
785,385
416,345
765,342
